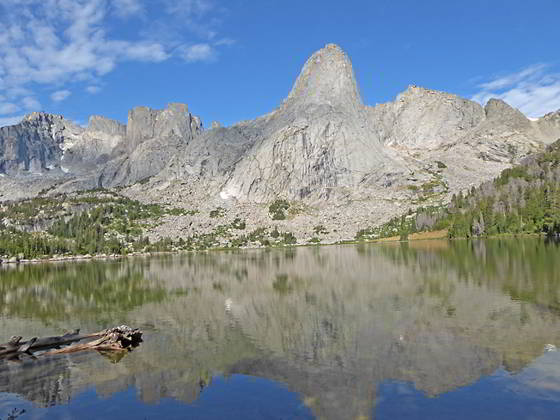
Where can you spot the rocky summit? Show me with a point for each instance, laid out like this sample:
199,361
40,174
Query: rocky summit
330,163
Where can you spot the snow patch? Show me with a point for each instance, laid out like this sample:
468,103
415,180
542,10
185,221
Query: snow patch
229,192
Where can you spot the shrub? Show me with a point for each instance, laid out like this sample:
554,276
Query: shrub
320,229
218,212
277,209
238,224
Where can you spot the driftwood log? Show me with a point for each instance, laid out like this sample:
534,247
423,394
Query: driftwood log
121,338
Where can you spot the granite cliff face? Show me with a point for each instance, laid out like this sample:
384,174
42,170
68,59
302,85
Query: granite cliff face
321,147
48,152
152,138
318,144
33,145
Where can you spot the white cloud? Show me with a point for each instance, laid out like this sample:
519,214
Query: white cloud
10,120
127,8
534,90
58,43
194,15
60,95
188,8
143,51
31,103
8,108
198,52
224,41
93,89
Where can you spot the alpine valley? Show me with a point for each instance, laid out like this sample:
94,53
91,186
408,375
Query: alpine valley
319,168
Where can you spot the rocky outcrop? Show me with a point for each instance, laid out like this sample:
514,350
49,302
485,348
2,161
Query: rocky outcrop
94,146
549,126
45,143
153,137
145,123
424,119
327,78
322,146
106,153
35,145
317,145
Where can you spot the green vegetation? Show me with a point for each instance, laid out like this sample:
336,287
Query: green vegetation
181,212
239,224
278,208
320,230
26,245
264,237
217,212
95,222
425,218
223,236
524,199
432,190
511,173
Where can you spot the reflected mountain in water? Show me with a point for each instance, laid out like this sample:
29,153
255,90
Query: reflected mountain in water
330,322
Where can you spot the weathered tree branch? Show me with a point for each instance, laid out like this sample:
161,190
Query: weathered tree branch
113,339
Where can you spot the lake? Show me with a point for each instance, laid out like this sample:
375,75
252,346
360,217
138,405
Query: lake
423,330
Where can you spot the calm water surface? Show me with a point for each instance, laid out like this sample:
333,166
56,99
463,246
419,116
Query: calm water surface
454,330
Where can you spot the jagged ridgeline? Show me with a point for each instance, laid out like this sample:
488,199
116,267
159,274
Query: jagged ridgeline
522,199
329,159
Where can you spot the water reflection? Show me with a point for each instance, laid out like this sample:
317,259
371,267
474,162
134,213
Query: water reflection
333,323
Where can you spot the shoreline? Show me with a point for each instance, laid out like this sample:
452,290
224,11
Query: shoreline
14,261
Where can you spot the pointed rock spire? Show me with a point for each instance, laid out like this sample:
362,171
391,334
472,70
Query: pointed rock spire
326,78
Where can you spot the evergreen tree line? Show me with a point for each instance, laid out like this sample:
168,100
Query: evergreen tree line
104,226
522,199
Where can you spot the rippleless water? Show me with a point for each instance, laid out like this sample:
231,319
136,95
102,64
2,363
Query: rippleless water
429,329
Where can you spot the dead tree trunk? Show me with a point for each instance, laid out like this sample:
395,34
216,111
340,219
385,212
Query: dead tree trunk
114,339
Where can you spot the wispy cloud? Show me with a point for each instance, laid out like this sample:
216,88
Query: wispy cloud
8,108
93,89
126,8
224,41
534,90
10,120
31,103
54,44
188,8
60,95
198,52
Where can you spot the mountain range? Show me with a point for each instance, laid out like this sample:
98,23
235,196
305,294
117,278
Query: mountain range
337,162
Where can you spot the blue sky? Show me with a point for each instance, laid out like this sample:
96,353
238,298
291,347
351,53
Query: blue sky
237,59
